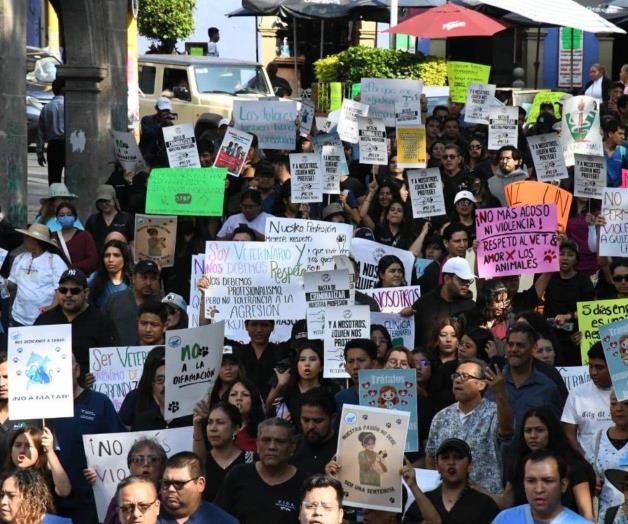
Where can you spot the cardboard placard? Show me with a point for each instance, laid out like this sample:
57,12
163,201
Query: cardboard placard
614,233
478,104
615,343
306,117
367,253
394,299
348,122
155,239
306,178
580,128
324,289
341,325
589,176
462,74
329,147
547,155
503,129
127,151
181,146
233,150
411,146
381,95
372,141
426,192
574,376
408,112
272,121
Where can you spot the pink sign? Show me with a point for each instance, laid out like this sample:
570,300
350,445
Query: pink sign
624,178
516,240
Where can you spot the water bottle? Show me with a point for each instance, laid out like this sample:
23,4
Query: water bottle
285,48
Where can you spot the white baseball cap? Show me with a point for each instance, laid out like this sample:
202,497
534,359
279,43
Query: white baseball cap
224,122
163,104
459,267
460,195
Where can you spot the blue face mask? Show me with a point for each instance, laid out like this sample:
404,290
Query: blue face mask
66,221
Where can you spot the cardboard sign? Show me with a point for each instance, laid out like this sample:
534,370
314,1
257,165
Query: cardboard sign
392,389
394,299
306,178
324,289
400,329
329,147
580,128
40,372
186,191
527,192
181,146
478,104
272,121
367,253
372,141
155,239
306,117
574,376
503,127
426,192
461,75
117,370
127,151
614,234
596,313
547,155
381,95
516,240
371,443
106,454
255,280
408,112
411,146
195,302
615,342
589,176
341,325
233,150
348,122
193,358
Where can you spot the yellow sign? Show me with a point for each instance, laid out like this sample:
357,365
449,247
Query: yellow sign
411,146
461,74
545,96
592,315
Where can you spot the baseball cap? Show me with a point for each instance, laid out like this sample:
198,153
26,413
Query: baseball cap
459,267
364,232
74,274
461,195
224,122
454,443
172,299
146,266
163,104
231,352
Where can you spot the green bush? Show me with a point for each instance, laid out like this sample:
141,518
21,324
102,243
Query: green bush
166,21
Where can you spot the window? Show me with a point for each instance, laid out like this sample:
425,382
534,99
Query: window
175,78
231,79
147,79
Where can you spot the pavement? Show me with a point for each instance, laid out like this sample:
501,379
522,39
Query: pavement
37,185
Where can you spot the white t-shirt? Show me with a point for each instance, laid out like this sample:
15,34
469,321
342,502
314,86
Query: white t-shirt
36,281
257,224
212,49
588,407
595,89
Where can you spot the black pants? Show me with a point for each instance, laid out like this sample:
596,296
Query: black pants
56,160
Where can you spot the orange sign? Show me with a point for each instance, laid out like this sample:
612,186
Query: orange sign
529,192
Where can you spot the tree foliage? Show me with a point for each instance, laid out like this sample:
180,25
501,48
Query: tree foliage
166,21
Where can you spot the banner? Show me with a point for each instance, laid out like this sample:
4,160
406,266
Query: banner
255,280
461,75
570,57
411,146
372,141
341,325
40,372
574,376
400,329
503,127
547,154
381,95
127,151
580,128
117,370
478,104
596,313
272,121
306,178
106,454
307,111
426,192
392,389
155,239
348,122
525,192
193,358
394,299
589,176
186,191
181,146
371,444
329,147
615,342
367,253
516,240
324,289
233,150
408,112
614,234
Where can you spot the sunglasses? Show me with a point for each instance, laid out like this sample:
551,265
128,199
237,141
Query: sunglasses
449,157
177,484
72,290
128,509
151,460
620,278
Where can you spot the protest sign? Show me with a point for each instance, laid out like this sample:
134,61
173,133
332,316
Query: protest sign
596,313
614,338
503,127
233,150
40,372
348,122
461,75
306,178
106,454
527,192
574,376
420,265
193,358
516,240
400,329
541,97
478,104
614,233
408,112
181,146
117,370
426,480
372,141
195,303
255,280
580,128
127,151
329,147
272,121
589,176
186,191
394,299
381,95
411,146
341,325
324,289
426,192
3,256
306,117
624,178
155,239
392,389
367,253
371,444
547,155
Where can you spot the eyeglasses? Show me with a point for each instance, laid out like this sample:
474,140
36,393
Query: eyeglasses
325,507
620,278
72,290
142,506
176,484
464,203
463,377
394,363
151,460
449,157
159,379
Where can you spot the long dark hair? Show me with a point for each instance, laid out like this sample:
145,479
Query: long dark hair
41,464
487,294
314,345
257,405
384,263
406,228
375,209
156,357
101,276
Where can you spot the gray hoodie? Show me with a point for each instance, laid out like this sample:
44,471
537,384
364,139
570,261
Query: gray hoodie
499,181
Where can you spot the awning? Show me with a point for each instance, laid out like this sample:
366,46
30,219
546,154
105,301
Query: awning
312,8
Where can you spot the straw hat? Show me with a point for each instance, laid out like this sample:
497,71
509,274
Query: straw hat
58,190
38,232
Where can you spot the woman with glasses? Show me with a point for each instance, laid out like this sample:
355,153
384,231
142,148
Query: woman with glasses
398,357
177,311
453,174
113,274
478,163
464,212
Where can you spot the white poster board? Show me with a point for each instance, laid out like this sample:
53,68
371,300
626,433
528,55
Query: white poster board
589,176
341,325
372,141
334,163
479,97
394,299
548,158
367,253
324,289
614,234
502,127
127,151
426,192
348,123
306,178
181,146
381,95
274,122
580,128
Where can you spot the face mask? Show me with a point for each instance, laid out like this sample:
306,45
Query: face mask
66,221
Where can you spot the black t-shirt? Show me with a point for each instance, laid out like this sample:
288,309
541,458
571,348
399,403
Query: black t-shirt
122,222
214,474
354,185
261,370
248,498
562,294
312,459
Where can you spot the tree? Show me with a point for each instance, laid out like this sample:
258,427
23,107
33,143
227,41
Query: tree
165,22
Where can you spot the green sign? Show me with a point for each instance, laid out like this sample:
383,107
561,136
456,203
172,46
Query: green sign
566,37
191,191
461,74
592,315
335,95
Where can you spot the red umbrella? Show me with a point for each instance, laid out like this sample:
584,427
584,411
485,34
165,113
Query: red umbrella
448,21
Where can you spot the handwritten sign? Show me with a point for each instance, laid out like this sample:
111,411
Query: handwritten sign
426,192
329,147
478,104
272,121
381,95
411,146
462,74
181,146
614,233
574,376
547,155
155,239
186,191
400,329
372,141
324,289
589,176
596,313
367,253
503,127
348,122
516,240
341,325
306,178
580,128
233,150
527,192
127,151
615,343
394,299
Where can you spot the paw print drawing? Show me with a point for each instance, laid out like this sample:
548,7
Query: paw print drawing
173,406
204,351
388,425
549,256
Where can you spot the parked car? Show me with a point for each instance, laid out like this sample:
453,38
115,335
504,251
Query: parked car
41,70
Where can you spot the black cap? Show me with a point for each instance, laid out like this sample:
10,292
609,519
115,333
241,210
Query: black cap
74,274
231,352
146,266
454,443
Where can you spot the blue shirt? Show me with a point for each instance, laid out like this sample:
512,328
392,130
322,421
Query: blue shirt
51,123
523,515
614,165
207,512
54,519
